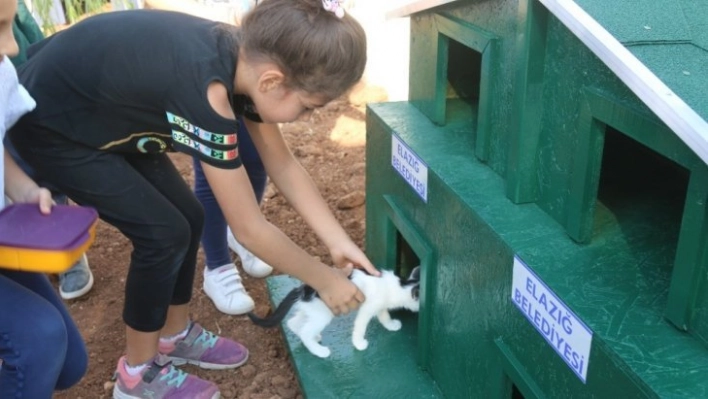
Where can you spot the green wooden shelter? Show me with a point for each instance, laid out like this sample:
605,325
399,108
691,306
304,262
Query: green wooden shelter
548,172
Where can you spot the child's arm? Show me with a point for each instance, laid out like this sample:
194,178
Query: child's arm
302,193
237,201
233,191
21,188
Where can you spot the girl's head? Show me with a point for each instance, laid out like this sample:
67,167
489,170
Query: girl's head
8,45
317,52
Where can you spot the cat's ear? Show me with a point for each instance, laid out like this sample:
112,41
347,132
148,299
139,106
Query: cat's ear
415,274
415,292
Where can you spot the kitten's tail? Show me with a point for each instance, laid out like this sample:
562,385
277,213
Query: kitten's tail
280,312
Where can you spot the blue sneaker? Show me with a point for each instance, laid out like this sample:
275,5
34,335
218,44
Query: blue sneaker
76,281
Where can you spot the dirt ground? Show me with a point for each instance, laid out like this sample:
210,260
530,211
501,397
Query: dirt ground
331,148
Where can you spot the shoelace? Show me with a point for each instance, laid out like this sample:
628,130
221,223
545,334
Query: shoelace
230,280
207,339
174,376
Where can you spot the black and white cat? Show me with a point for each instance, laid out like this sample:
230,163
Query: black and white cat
311,315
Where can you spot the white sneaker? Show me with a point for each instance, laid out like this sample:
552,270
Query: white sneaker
251,264
223,285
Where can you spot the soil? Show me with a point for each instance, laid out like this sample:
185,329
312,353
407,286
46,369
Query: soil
331,147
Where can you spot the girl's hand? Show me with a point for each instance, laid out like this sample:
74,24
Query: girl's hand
348,254
38,195
339,294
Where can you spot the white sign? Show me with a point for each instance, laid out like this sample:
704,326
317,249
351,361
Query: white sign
413,170
561,328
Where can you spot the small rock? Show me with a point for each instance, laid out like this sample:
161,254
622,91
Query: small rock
307,150
352,200
280,380
248,371
260,378
227,392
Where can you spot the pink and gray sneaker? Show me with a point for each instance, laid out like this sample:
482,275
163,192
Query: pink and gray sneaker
205,349
161,380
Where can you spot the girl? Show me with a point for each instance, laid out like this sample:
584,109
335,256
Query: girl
44,352
117,90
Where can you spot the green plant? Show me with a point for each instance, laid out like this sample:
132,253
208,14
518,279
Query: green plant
73,10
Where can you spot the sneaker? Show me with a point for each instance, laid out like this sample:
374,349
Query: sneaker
161,380
204,349
251,264
224,287
76,281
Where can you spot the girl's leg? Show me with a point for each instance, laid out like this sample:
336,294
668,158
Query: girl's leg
165,178
214,244
41,353
184,341
214,240
76,359
222,282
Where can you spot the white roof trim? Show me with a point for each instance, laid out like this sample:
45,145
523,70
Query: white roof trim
414,7
671,109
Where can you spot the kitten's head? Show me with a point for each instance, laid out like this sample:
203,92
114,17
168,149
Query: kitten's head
412,286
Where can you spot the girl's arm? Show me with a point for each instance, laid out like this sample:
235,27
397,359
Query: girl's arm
237,201
302,193
21,188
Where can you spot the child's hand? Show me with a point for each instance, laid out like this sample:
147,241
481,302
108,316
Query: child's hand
340,294
41,196
349,254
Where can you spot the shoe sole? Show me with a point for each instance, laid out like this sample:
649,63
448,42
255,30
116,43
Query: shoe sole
257,275
208,366
117,394
78,293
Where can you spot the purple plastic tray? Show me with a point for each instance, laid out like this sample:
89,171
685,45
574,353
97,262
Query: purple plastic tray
23,226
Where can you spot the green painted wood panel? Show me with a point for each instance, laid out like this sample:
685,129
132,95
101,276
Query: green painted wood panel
614,284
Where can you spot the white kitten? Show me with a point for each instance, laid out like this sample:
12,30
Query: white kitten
311,315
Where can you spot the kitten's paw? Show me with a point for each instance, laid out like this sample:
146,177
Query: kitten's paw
322,352
393,325
361,344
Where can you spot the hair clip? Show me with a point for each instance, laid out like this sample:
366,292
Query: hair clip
334,6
